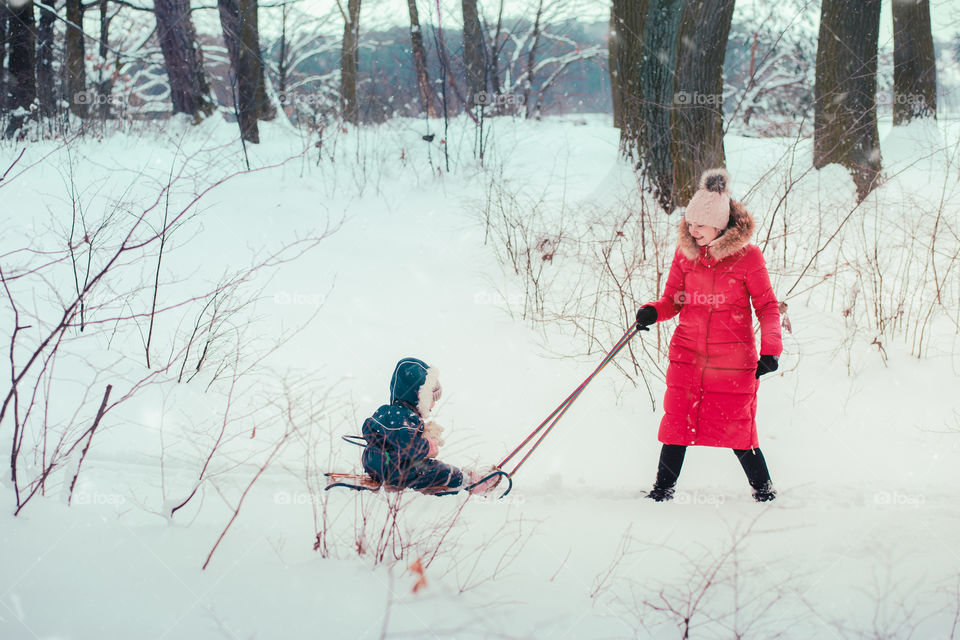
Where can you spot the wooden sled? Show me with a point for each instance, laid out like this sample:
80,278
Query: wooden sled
363,482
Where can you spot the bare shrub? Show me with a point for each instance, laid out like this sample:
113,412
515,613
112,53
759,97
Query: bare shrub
717,593
79,300
886,267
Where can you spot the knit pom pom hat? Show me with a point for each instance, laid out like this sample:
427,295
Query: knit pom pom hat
710,205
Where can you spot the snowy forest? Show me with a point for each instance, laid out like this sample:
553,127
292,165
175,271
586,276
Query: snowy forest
680,280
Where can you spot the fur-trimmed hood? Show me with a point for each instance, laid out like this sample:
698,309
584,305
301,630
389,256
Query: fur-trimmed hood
413,383
734,238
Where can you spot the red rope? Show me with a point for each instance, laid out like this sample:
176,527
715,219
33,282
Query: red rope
568,400
551,420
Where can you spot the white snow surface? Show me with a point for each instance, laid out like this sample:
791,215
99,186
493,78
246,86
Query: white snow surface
861,542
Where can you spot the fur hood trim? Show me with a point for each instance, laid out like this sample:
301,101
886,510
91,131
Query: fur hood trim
425,393
734,238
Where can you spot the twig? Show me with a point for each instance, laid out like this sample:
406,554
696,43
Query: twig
156,279
3,177
243,496
90,431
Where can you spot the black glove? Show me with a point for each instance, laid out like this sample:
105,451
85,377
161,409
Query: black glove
766,364
646,316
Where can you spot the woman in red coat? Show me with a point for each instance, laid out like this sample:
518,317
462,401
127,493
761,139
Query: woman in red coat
714,370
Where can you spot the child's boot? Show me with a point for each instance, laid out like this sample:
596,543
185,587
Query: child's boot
473,477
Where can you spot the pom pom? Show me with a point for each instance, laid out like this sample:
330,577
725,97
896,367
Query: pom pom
715,180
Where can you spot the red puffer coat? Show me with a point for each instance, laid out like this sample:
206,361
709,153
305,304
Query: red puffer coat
711,397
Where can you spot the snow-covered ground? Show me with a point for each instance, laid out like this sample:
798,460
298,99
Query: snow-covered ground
862,443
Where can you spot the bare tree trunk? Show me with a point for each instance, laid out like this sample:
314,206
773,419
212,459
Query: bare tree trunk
845,110
657,91
104,81
241,33
349,63
628,19
189,90
46,79
75,72
531,60
235,20
646,47
265,107
22,39
697,111
420,61
612,67
914,62
474,59
282,62
4,16
496,47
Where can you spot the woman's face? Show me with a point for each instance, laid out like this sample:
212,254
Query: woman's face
703,234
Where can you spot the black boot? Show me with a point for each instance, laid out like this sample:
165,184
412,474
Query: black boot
660,494
668,470
755,466
765,493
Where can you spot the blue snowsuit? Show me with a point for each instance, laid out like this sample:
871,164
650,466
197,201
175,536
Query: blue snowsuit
396,451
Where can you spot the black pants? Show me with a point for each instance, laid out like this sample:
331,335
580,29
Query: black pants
433,473
671,461
424,474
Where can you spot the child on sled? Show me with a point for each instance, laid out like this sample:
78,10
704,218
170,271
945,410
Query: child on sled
402,443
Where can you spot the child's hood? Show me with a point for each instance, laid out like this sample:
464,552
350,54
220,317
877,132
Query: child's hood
413,382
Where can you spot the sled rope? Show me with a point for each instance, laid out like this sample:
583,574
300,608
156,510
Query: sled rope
360,483
551,420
